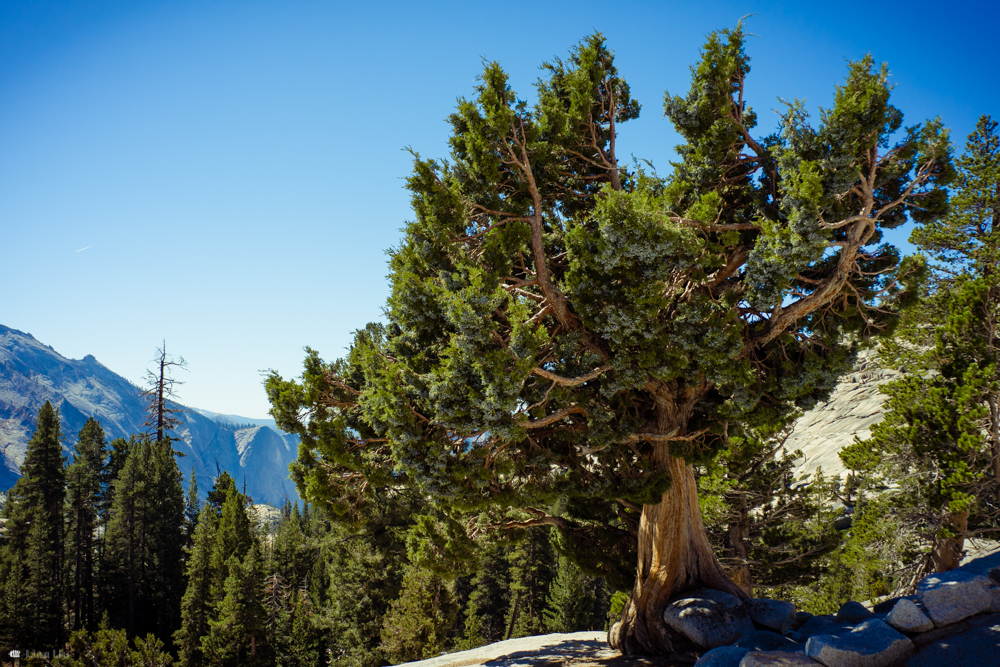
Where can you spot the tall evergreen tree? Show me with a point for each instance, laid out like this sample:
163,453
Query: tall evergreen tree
197,605
940,441
532,569
233,537
418,621
490,599
570,601
192,508
145,542
34,553
238,637
85,491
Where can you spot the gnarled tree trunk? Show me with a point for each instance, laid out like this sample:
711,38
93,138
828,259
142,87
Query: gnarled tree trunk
674,557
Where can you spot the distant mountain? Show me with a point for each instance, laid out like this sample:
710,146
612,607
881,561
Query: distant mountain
253,451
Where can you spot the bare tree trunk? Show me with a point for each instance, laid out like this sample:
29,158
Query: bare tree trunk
947,552
994,437
674,557
159,395
738,538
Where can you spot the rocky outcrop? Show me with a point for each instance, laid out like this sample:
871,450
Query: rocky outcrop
854,636
854,406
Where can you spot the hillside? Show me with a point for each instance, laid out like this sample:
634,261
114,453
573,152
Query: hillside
254,452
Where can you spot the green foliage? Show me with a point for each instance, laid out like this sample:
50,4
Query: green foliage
144,542
32,558
557,319
532,562
110,647
238,636
418,621
772,529
570,604
488,600
938,449
84,493
197,605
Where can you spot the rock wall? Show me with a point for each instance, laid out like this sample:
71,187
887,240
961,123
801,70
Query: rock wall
852,409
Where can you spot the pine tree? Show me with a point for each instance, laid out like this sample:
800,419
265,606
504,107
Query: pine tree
238,637
145,542
232,538
939,444
34,553
192,508
570,602
418,621
772,529
84,490
489,600
532,569
197,605
161,410
299,642
220,490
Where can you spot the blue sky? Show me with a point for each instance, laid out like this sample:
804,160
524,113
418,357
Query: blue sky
228,175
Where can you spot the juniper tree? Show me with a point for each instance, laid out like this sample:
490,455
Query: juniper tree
940,440
562,325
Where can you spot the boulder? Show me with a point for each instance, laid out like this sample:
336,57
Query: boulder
770,613
762,640
907,617
871,644
723,656
709,617
853,611
777,659
994,598
951,596
820,625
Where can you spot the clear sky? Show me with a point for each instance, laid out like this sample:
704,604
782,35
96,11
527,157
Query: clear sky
227,175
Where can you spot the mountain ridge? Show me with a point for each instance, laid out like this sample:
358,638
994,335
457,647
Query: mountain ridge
256,453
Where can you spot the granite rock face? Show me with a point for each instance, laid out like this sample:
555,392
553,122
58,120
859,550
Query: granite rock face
854,406
951,596
709,618
770,613
870,644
